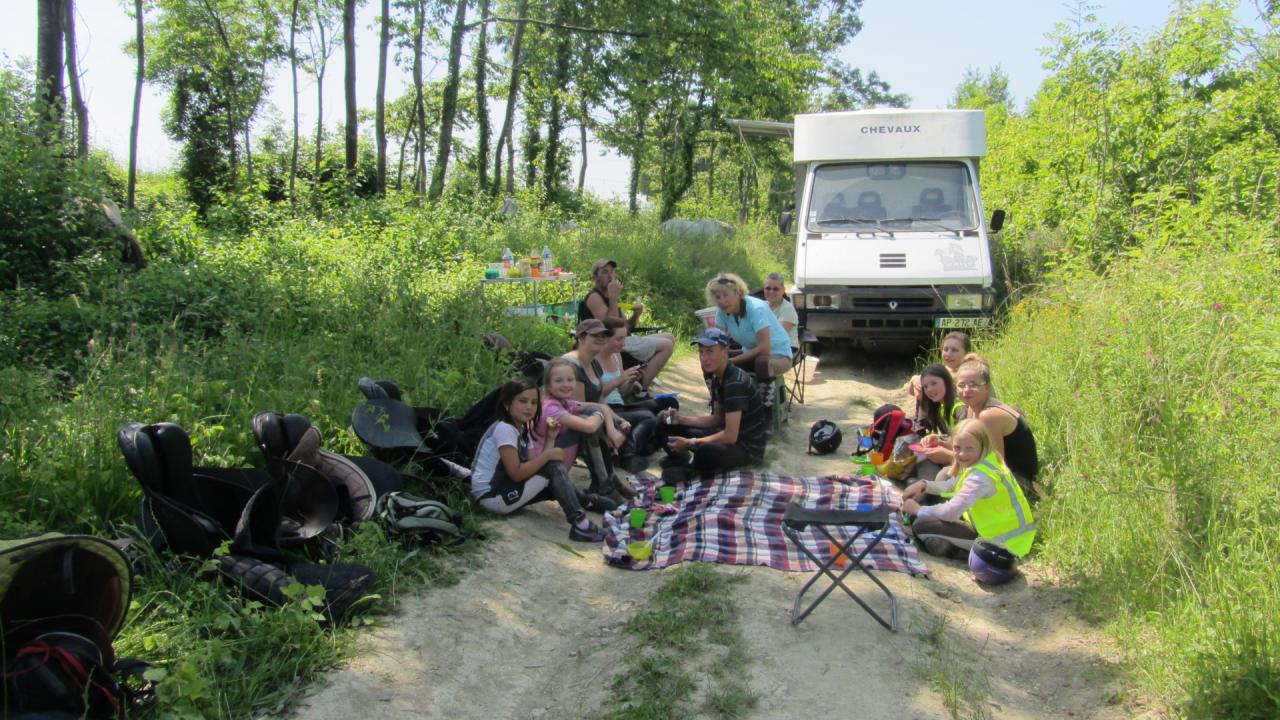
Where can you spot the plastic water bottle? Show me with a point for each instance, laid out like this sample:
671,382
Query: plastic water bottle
508,259
547,265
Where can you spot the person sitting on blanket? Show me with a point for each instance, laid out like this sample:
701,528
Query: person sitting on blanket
733,435
986,501
654,349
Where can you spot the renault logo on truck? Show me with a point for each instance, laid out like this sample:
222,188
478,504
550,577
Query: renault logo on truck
888,129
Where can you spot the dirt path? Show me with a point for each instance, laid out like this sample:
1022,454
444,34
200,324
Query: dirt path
536,631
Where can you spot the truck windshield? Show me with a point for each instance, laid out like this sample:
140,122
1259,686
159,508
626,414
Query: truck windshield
868,196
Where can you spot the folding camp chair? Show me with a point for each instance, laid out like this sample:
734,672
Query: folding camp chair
795,389
797,518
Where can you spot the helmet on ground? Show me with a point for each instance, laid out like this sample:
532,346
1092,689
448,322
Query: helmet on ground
824,437
991,564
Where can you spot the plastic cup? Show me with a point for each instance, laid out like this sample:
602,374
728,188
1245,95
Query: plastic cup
667,494
876,458
842,560
637,517
640,550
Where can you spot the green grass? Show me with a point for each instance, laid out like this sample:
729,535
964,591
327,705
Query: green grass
1152,389
950,671
683,643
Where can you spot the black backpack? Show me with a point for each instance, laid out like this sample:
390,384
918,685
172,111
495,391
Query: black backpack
63,599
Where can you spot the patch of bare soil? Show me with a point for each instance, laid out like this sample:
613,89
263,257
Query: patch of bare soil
537,630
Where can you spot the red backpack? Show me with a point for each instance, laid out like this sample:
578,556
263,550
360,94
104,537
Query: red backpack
888,424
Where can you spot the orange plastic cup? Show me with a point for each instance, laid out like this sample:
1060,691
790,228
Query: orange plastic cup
877,458
842,560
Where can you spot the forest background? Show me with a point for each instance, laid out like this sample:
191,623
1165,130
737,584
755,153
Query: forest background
1139,332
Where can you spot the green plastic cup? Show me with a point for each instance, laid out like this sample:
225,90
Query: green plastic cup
637,517
667,494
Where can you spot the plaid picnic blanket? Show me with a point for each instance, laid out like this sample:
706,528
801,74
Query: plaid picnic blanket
736,519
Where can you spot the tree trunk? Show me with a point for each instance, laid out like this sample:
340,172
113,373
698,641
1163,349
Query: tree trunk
551,177
637,156
293,71
582,138
532,145
349,80
324,64
449,106
509,116
482,100
78,108
137,108
381,101
419,103
49,67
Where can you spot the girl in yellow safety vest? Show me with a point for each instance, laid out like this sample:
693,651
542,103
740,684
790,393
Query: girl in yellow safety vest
986,501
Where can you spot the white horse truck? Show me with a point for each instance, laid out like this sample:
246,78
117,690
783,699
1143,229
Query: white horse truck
891,243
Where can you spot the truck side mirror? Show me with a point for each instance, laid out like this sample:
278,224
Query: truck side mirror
997,221
784,222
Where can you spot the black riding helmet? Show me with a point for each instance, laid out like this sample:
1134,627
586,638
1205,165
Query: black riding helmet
824,437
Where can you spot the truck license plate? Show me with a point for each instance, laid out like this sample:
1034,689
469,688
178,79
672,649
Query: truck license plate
961,322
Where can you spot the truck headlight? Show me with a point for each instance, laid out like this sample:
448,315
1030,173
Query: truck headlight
964,301
821,301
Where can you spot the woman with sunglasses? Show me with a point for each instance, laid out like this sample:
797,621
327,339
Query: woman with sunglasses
775,294
1011,435
591,341
749,321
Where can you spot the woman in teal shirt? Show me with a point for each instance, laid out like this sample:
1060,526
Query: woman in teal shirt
753,325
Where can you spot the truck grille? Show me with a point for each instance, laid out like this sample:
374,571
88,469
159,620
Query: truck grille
916,304
893,260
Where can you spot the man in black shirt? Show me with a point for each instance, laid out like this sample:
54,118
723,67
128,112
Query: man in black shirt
733,435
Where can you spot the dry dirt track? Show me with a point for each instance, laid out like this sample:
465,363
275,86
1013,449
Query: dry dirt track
536,631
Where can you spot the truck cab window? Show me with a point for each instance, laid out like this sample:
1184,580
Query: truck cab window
924,196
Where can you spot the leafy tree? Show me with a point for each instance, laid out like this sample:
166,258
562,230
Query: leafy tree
989,91
212,56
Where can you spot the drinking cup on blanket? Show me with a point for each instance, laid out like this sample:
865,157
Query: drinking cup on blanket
667,494
876,457
842,560
636,516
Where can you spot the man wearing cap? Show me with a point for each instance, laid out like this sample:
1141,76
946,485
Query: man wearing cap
734,434
653,350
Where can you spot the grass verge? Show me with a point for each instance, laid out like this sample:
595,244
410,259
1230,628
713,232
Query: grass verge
684,645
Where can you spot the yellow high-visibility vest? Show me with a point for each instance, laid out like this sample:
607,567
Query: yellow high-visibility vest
1005,517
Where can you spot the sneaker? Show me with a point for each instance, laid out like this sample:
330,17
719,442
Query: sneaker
600,503
591,534
640,395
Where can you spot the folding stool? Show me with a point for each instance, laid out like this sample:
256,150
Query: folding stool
795,391
797,518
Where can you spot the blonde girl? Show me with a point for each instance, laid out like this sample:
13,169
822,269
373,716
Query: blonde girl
986,502
579,423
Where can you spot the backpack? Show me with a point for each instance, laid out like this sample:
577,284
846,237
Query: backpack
407,514
63,599
888,423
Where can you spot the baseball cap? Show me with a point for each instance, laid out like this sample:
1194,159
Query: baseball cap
712,336
600,264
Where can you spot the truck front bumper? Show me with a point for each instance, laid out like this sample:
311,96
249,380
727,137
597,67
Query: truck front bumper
892,313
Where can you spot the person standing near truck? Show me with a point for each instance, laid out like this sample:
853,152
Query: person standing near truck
653,350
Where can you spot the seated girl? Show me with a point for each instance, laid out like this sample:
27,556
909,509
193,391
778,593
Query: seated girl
956,348
506,476
580,423
1011,434
986,502
935,415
